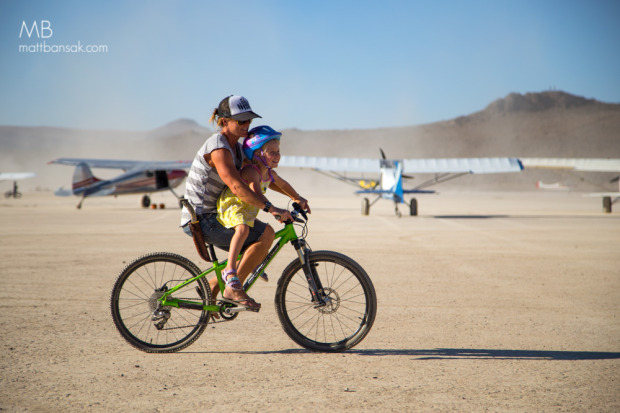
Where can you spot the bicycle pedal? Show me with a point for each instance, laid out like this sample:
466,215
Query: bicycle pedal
232,307
238,309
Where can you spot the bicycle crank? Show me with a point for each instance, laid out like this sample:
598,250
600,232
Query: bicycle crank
231,308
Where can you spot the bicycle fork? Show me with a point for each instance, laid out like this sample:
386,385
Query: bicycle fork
314,282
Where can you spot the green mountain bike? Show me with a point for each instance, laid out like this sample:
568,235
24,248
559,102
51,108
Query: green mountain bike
162,303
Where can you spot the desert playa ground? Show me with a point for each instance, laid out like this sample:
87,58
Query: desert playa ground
487,301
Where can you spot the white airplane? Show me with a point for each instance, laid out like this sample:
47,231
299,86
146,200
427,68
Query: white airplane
390,184
582,165
15,176
139,177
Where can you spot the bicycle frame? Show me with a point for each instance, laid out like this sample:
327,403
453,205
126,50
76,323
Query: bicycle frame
282,237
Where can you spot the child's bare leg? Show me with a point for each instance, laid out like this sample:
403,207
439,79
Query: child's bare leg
236,243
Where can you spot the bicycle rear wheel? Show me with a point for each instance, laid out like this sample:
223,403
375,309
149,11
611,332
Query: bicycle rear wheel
139,316
351,303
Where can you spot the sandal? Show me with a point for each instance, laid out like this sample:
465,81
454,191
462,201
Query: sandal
235,284
249,303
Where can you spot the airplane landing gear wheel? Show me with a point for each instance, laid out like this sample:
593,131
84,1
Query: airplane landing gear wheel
146,201
365,206
607,204
413,207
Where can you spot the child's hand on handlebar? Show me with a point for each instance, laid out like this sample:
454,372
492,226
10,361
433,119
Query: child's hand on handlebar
303,203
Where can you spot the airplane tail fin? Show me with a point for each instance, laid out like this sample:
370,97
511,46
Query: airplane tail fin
82,179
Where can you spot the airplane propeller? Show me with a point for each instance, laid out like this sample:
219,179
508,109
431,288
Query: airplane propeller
384,158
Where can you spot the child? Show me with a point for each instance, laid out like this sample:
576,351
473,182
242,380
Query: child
262,148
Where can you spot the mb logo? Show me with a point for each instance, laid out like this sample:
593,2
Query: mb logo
45,31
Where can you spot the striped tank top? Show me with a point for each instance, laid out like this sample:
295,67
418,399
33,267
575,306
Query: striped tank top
204,186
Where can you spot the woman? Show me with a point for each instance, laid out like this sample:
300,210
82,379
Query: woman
215,167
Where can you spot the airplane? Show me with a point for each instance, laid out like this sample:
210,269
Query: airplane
556,186
152,176
15,176
139,177
583,165
390,184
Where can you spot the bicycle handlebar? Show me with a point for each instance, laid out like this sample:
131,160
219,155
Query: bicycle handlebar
297,210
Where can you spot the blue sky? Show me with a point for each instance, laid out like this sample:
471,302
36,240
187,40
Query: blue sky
302,64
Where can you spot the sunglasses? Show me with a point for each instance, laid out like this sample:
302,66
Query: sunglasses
243,122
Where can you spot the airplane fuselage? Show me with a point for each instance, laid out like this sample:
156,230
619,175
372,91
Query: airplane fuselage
133,183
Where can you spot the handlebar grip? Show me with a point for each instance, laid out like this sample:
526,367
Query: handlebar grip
299,209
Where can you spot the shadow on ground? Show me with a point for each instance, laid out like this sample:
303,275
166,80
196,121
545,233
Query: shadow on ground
455,353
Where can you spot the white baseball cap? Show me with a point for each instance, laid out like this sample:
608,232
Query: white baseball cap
236,107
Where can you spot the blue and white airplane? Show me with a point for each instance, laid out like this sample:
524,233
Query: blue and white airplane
390,183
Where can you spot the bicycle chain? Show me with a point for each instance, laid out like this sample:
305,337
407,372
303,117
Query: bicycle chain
212,319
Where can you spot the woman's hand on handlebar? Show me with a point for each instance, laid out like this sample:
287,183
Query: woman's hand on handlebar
281,215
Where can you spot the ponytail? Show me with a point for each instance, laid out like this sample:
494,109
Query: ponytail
215,119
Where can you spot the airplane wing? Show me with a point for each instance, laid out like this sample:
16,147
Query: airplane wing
332,164
576,164
126,165
462,165
582,165
447,165
15,176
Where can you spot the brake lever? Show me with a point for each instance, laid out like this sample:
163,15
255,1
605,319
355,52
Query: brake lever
299,209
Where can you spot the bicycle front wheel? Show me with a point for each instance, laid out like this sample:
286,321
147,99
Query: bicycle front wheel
350,309
141,319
